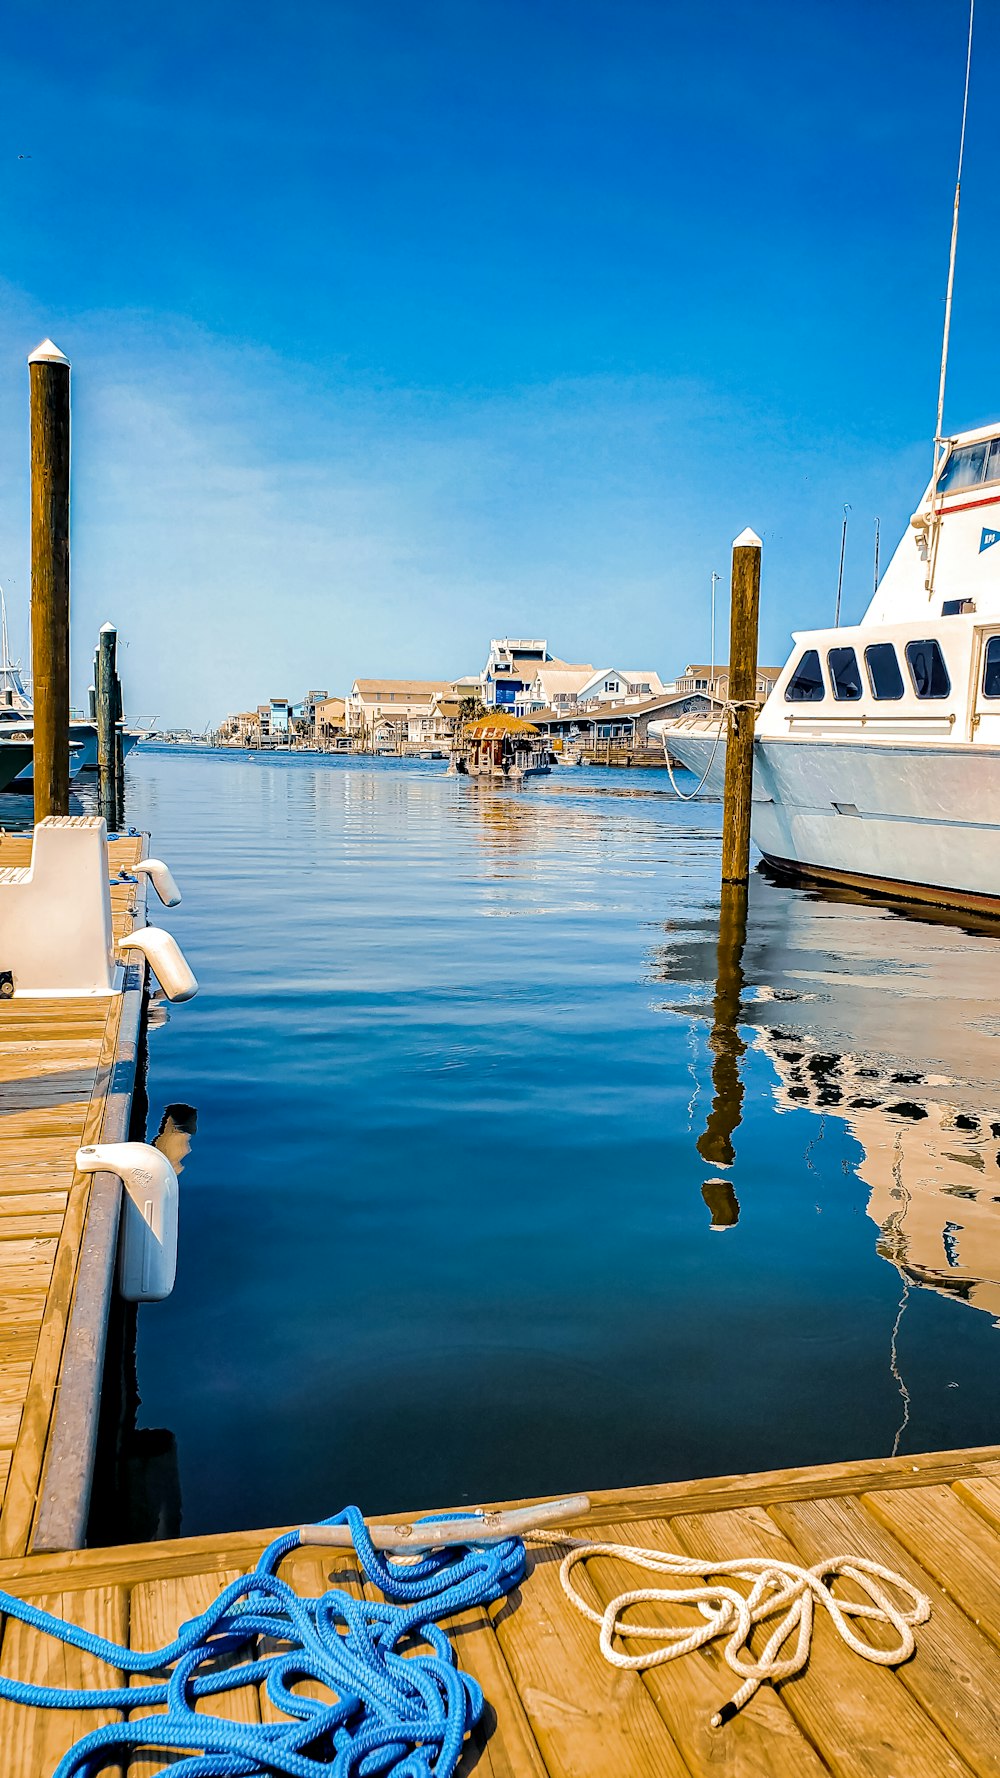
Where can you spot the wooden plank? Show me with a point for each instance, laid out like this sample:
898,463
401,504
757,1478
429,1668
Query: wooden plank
952,1543
158,1610
764,1740
64,1492
26,1265
587,1717
33,1741
982,1493
25,1228
955,1673
13,1386
29,1454
860,1716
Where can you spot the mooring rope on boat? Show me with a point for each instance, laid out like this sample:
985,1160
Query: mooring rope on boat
725,718
777,1589
405,1715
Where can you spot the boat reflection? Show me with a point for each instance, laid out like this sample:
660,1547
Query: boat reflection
885,1020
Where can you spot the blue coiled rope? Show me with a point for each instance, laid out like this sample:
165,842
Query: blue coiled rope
386,1712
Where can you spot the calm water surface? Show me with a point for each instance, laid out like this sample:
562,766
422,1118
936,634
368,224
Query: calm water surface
451,1227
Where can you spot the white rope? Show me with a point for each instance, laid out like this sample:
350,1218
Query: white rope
781,1590
725,718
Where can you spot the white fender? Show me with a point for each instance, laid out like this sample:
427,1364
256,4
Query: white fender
147,1249
165,958
162,879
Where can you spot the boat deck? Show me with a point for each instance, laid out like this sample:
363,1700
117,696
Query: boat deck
557,1710
66,1073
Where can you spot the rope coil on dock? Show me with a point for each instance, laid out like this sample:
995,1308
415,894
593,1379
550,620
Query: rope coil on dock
777,1589
386,1713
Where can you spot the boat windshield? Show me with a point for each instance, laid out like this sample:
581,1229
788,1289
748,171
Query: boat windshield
971,464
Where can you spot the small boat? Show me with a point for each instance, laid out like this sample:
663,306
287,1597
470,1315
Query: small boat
502,746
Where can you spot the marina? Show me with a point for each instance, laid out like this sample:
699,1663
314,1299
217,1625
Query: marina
563,1203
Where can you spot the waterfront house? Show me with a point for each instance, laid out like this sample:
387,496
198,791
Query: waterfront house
617,685
714,681
330,719
624,727
379,711
555,685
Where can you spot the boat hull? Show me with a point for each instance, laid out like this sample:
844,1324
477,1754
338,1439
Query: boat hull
13,756
918,822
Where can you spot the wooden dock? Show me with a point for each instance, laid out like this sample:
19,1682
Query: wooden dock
67,1068
557,1709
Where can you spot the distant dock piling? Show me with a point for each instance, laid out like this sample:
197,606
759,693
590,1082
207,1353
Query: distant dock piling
48,372
107,726
743,622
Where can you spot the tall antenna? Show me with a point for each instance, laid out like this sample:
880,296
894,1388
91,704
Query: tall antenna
3,628
939,429
715,582
840,576
878,523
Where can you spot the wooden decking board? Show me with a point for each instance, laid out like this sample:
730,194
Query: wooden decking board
57,1057
861,1716
35,1740
763,1741
952,1543
955,1673
558,1710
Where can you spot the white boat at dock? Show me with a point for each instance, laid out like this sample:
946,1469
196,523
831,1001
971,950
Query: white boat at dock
877,754
17,719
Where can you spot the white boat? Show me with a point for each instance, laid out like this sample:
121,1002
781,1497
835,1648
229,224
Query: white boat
17,717
877,754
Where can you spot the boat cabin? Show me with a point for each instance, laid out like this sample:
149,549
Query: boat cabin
502,746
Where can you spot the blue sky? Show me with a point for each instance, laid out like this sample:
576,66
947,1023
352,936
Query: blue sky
397,327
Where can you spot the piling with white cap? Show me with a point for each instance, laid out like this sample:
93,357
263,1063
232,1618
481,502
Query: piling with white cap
107,777
48,374
743,620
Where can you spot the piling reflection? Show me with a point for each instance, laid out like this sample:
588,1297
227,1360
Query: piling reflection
883,1020
715,1145
136,1496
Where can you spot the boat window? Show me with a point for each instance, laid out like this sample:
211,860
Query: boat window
927,669
884,675
991,668
965,467
806,684
844,671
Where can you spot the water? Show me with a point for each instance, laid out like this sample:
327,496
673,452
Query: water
446,1230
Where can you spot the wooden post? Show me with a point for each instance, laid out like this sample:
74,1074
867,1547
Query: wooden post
119,748
744,612
728,1047
106,800
48,373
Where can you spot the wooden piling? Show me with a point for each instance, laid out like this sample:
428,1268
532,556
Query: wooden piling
744,612
728,1049
107,801
119,747
48,372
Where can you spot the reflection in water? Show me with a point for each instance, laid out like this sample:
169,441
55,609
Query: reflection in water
716,1145
445,1155
888,1024
724,1205
137,1486
178,1126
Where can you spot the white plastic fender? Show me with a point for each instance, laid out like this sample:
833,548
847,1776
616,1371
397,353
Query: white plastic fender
147,1247
165,958
162,879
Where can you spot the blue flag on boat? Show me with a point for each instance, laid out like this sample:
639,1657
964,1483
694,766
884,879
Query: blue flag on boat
988,539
